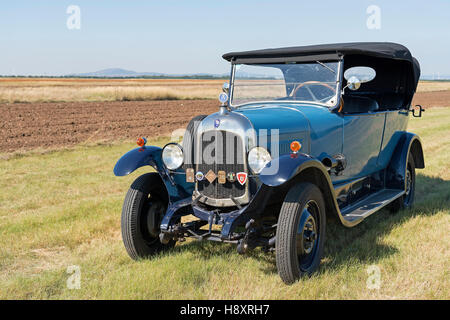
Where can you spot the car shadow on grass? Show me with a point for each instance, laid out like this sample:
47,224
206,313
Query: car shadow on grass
342,245
361,243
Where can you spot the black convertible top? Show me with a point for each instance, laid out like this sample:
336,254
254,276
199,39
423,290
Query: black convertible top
387,50
377,49
396,57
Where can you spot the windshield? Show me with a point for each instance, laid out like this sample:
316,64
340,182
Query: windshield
313,82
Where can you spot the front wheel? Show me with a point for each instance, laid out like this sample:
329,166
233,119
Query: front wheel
300,235
143,209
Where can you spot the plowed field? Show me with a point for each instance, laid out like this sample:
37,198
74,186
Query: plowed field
27,126
31,125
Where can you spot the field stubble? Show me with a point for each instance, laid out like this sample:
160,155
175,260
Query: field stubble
87,90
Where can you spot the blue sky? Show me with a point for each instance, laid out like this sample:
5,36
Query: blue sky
190,36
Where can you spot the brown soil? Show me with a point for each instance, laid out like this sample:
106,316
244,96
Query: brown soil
432,99
27,126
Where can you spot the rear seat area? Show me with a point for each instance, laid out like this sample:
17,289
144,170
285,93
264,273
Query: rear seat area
390,101
359,104
371,102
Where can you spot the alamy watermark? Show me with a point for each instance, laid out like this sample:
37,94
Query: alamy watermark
74,19
74,280
373,282
373,21
224,147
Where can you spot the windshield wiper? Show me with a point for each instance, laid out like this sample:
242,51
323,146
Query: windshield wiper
325,66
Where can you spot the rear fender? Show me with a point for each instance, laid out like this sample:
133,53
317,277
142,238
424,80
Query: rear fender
396,170
175,181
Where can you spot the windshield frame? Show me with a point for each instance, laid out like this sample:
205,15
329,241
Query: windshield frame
339,78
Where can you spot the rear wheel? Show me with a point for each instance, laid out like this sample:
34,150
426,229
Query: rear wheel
407,200
300,233
143,209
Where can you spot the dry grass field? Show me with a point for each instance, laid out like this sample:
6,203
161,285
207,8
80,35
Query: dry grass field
427,86
17,90
60,207
14,90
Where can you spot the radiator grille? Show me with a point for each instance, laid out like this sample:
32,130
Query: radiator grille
221,150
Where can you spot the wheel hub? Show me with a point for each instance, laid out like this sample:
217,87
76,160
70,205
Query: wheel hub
154,215
307,231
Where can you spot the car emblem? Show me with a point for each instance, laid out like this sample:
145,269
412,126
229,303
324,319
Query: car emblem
216,123
231,176
190,175
221,177
199,176
241,177
210,176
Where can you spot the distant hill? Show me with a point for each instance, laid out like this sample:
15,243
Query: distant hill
123,73
114,72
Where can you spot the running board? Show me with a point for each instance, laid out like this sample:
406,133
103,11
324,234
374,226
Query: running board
360,210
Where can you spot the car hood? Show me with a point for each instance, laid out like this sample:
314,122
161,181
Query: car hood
288,120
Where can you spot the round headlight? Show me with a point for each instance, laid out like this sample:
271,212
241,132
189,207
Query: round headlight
258,157
172,156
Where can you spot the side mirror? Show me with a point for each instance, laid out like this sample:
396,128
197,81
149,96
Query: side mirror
357,75
417,111
226,87
353,83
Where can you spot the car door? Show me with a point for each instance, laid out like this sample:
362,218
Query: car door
363,134
394,128
326,133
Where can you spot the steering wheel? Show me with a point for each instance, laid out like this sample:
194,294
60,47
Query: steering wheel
308,83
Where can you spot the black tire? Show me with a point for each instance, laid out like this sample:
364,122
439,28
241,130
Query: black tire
292,256
143,208
188,141
407,200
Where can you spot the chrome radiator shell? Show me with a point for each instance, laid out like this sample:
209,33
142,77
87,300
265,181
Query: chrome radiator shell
232,126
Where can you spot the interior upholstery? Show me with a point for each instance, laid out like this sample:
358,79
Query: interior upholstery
357,104
390,101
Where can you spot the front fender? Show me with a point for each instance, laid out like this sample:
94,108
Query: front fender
175,181
284,168
137,158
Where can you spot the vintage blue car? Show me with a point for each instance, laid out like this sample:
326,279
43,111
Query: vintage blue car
303,135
